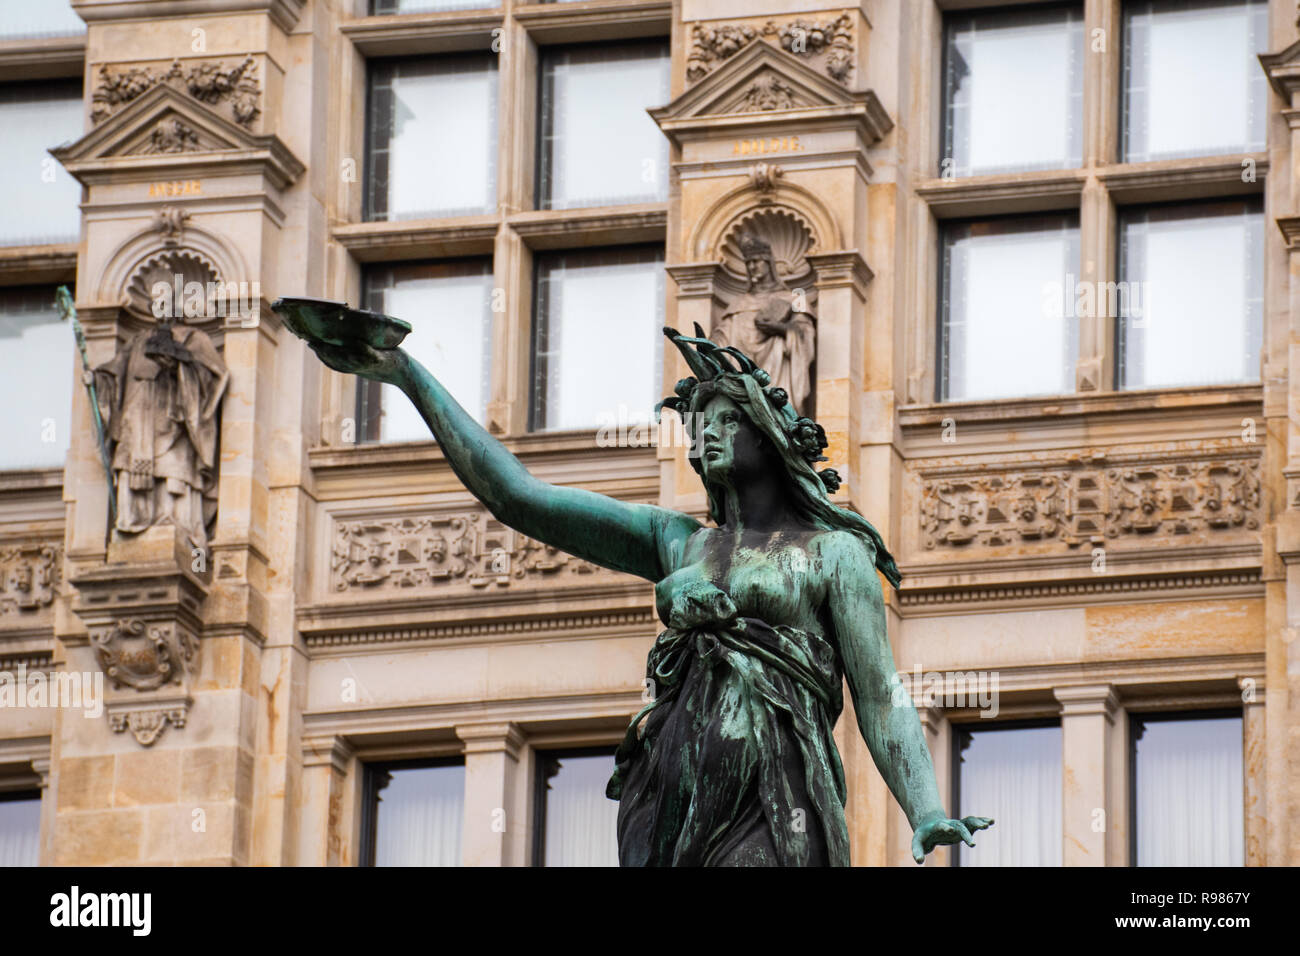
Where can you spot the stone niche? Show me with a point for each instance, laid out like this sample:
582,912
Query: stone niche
774,141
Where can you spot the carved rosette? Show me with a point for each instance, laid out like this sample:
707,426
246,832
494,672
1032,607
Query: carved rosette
421,552
213,82
1069,506
827,43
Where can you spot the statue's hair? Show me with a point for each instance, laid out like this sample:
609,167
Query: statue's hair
798,441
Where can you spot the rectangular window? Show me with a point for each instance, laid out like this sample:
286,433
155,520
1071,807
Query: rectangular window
1013,91
1193,281
1012,774
432,143
575,824
1186,779
413,813
598,147
1192,83
1007,326
25,19
20,828
584,301
449,306
39,200
37,376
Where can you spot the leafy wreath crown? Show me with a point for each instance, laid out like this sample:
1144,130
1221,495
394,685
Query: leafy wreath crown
708,361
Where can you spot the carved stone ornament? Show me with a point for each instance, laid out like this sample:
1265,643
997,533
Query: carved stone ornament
827,42
169,221
768,92
29,574
210,82
465,549
1070,506
172,136
147,724
145,655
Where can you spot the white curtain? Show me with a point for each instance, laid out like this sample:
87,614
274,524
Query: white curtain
1189,793
20,831
581,822
420,816
1014,776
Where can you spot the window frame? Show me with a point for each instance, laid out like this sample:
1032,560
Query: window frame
368,843
1137,719
540,789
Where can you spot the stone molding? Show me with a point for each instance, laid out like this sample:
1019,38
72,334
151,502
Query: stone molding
1074,591
283,13
1088,700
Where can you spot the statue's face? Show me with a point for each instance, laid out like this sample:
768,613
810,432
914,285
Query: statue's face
757,268
731,446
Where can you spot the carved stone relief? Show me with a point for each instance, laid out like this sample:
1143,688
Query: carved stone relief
210,82
462,549
29,575
1069,506
828,43
768,92
172,135
145,655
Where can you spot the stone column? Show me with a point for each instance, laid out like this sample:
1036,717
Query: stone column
496,795
323,783
1090,775
1253,770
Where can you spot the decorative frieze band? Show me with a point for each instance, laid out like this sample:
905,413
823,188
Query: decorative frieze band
461,550
1069,506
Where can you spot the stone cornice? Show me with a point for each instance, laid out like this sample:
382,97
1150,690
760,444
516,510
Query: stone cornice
596,20
284,13
1002,193
1183,179
496,737
1191,399
404,34
38,265
497,628
43,58
418,239
597,226
1111,588
1283,70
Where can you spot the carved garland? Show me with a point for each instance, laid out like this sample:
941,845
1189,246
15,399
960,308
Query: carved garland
1074,506
210,82
830,41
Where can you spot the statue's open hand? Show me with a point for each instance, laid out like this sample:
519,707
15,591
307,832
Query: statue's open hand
938,831
358,358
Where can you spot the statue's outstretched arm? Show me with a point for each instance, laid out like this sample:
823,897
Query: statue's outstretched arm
886,714
636,538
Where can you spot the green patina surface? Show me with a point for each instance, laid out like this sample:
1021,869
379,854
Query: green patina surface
733,762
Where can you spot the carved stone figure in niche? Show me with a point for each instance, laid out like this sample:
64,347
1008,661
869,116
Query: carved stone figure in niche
772,325
159,398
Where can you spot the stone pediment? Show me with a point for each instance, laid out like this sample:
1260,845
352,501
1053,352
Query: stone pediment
762,83
166,132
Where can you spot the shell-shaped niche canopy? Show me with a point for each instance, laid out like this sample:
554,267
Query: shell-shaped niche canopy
173,283
784,229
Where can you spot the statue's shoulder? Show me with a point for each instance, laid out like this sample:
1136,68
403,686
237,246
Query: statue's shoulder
840,546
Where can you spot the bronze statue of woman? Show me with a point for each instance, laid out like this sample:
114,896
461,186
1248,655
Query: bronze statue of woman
733,762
